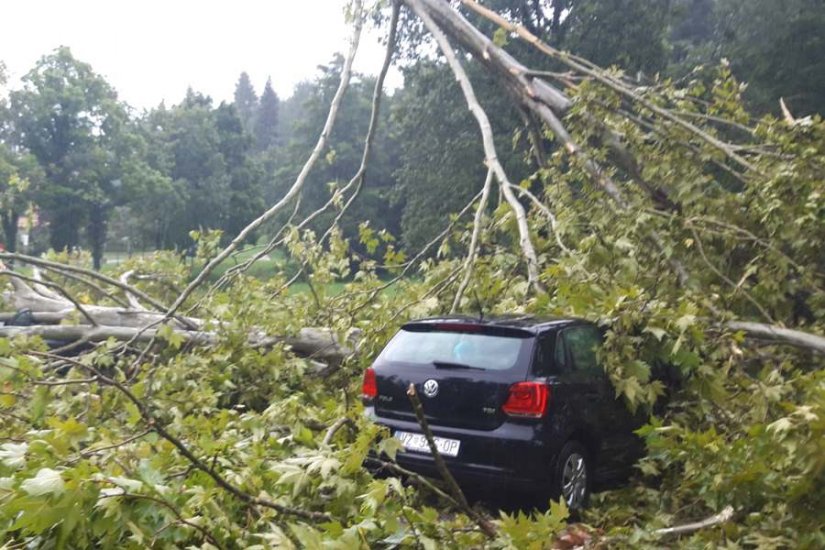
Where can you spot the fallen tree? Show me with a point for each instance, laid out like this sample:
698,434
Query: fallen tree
94,323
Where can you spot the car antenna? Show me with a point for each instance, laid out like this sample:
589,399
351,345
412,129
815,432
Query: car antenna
479,306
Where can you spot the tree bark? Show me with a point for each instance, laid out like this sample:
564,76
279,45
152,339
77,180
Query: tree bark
762,331
315,343
490,154
127,324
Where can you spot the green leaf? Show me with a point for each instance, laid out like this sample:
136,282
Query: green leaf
46,482
13,455
500,37
657,332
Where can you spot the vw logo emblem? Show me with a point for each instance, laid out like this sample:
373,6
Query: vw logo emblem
431,388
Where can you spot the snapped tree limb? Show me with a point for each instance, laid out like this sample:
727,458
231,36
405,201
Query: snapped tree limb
796,338
122,324
469,262
491,157
316,343
486,525
592,71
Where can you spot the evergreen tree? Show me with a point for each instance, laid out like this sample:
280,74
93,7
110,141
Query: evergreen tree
266,121
246,101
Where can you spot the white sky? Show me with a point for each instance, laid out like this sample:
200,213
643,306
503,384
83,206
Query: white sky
152,50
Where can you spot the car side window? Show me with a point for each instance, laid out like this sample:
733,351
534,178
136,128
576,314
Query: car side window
583,343
543,365
560,354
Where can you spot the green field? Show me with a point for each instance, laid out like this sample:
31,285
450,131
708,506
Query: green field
268,266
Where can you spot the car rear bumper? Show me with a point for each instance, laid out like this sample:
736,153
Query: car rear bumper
514,456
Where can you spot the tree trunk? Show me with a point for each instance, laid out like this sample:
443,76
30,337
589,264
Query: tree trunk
317,343
10,220
64,228
97,232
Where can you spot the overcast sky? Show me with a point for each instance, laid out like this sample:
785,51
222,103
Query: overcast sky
152,50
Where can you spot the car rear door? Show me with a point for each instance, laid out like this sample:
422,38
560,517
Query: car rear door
576,399
614,423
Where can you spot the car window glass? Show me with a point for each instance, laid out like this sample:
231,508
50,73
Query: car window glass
560,355
544,356
584,344
482,351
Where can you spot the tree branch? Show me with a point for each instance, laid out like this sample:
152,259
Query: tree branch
725,515
550,217
597,74
360,175
491,159
317,343
340,423
788,336
473,248
57,287
298,185
486,526
133,302
62,268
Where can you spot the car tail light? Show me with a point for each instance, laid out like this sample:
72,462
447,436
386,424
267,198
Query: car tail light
370,387
527,399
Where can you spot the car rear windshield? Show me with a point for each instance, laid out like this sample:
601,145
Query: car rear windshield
451,348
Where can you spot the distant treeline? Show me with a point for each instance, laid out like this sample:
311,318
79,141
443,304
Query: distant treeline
96,172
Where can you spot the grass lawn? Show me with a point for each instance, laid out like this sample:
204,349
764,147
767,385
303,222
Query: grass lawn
265,268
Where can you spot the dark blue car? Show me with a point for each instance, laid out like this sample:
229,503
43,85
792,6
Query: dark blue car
515,403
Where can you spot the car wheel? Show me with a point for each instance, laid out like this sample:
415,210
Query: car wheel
573,474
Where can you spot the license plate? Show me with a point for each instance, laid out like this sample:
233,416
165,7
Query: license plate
418,443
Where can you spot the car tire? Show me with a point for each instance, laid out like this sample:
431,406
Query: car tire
573,475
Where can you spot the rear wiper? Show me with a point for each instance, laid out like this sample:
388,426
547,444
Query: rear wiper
448,365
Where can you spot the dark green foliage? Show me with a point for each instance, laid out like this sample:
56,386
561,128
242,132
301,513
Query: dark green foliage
442,160
441,156
245,187
212,181
631,34
305,114
778,48
70,119
20,180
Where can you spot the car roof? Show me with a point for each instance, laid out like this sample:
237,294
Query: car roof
531,323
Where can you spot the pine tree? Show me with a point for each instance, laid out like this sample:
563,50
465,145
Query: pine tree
246,101
266,120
